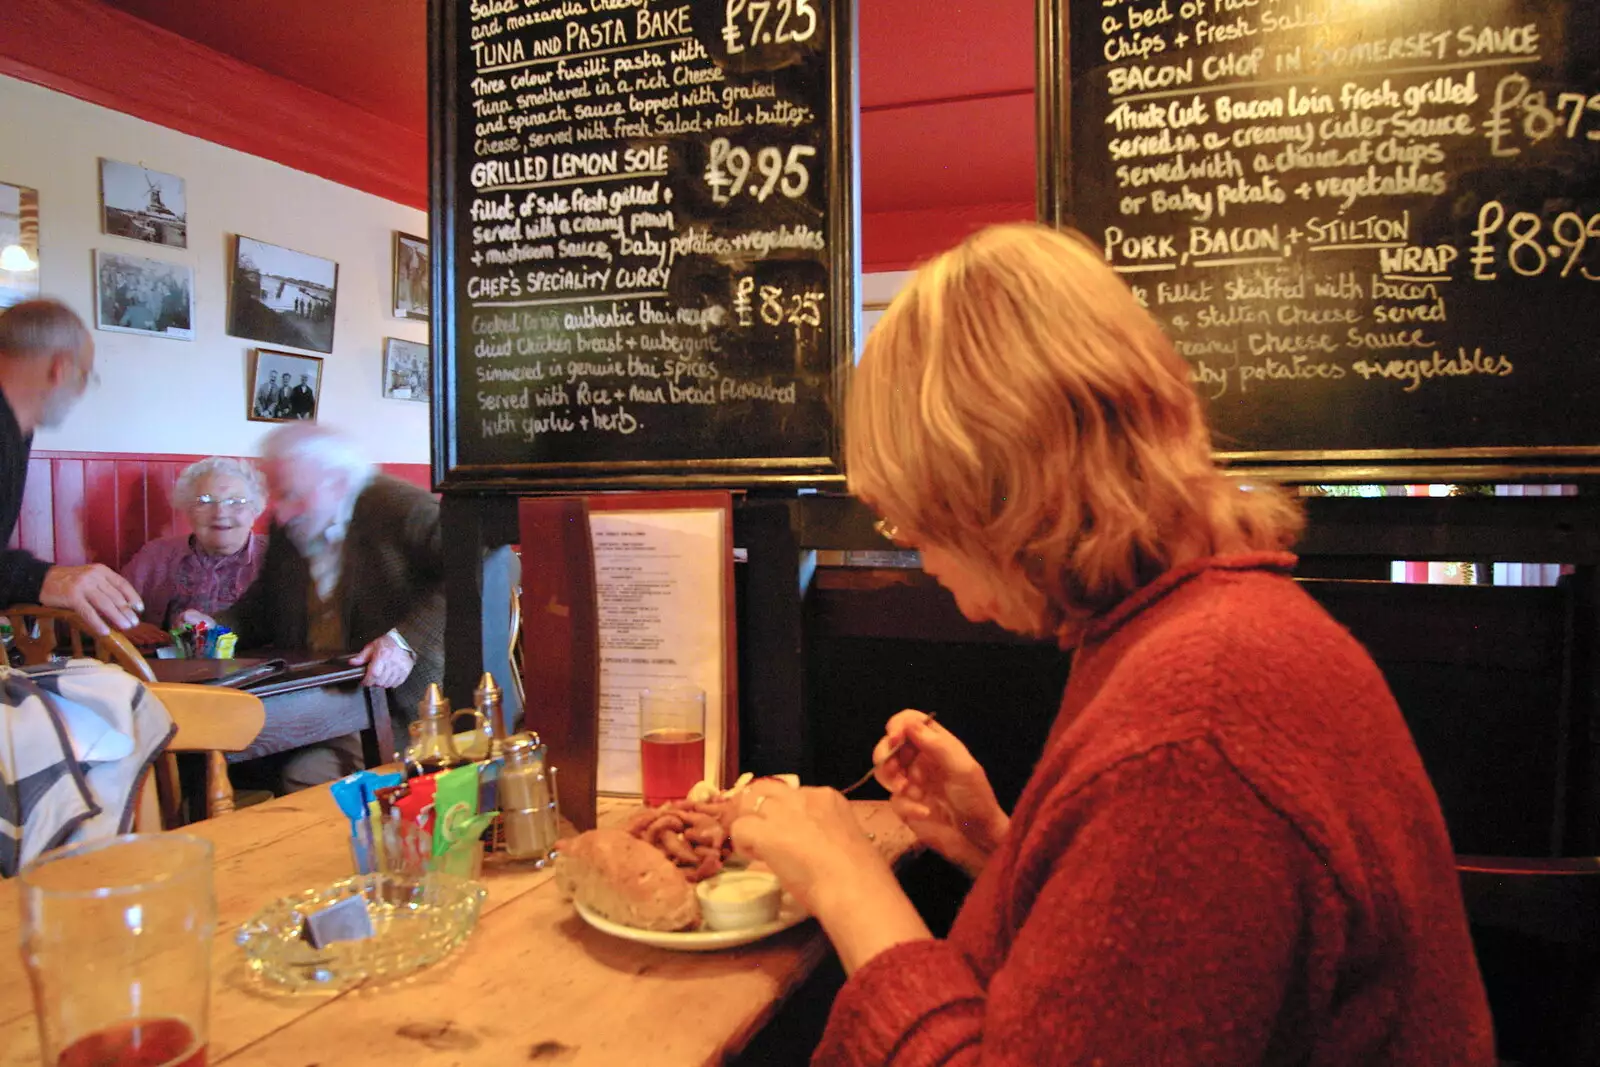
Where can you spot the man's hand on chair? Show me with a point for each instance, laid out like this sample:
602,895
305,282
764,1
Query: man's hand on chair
388,663
102,598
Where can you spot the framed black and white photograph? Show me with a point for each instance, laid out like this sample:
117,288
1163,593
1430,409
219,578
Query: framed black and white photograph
405,370
284,387
19,244
138,295
411,277
143,205
283,297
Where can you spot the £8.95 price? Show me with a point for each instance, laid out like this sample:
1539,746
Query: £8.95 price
1532,251
767,22
728,171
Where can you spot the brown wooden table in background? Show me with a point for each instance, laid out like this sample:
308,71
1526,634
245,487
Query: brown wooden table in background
315,698
534,983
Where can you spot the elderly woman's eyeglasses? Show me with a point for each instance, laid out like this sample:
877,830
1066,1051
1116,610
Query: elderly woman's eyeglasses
206,500
886,530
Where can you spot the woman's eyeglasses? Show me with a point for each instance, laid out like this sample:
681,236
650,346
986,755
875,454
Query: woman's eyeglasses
206,500
886,530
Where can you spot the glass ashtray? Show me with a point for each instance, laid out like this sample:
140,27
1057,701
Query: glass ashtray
416,921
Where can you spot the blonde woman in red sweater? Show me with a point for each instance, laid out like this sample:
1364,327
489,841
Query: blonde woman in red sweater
1228,852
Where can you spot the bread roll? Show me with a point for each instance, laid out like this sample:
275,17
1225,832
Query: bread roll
621,878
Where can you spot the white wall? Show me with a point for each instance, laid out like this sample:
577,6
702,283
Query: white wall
159,395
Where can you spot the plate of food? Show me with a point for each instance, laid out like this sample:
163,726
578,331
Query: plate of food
667,878
702,940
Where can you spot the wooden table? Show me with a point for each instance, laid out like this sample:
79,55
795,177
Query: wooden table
315,698
534,983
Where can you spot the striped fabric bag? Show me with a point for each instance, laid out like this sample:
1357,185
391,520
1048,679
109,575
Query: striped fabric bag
75,741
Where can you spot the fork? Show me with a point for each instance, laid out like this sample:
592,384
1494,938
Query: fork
865,778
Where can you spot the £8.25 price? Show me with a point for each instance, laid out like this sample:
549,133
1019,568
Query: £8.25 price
775,306
728,171
1532,250
767,22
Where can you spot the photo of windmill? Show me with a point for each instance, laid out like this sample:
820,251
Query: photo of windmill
143,205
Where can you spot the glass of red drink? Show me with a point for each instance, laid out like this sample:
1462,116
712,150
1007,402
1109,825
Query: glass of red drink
672,741
117,938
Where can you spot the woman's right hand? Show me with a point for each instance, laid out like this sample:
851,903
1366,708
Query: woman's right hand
147,637
940,791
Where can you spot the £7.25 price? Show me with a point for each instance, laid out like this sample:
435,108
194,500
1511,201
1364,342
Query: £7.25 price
767,22
728,171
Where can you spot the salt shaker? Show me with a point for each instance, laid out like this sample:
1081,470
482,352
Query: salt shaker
527,800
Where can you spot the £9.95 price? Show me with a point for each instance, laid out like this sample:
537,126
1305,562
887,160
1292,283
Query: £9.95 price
729,168
767,22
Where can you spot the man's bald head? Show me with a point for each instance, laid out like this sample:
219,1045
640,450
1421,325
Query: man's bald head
46,361
36,328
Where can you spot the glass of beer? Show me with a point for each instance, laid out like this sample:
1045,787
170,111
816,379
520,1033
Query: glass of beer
117,939
672,741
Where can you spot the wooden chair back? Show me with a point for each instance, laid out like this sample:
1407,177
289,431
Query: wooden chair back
1536,923
213,720
37,631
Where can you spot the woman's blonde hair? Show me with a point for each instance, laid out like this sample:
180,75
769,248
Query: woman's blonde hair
1017,407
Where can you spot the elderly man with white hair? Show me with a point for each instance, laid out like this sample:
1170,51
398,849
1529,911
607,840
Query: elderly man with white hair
46,363
353,564
209,569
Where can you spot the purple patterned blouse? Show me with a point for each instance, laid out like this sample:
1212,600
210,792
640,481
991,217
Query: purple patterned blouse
172,575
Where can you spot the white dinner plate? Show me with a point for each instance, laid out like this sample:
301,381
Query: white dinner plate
789,914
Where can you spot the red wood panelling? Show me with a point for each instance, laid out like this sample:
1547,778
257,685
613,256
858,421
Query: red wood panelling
36,527
132,477
72,544
101,507
101,514
418,474
160,520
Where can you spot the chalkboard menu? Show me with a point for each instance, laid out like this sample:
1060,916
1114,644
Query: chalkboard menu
644,241
1371,226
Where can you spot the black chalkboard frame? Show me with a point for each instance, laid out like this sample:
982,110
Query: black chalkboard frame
843,318
1552,463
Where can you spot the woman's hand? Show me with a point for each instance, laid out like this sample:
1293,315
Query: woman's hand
195,617
811,840
940,791
147,637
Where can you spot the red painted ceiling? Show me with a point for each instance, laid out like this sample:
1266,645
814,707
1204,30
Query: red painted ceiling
946,88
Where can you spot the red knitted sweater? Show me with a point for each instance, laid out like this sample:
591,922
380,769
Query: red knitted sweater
1229,853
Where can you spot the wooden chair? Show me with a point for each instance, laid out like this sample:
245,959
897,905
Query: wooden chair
213,720
37,632
1537,925
514,651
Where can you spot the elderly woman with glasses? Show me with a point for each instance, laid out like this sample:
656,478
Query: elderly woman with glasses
1228,852
210,568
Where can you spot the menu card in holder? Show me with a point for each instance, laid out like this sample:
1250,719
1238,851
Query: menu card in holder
664,580
621,592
